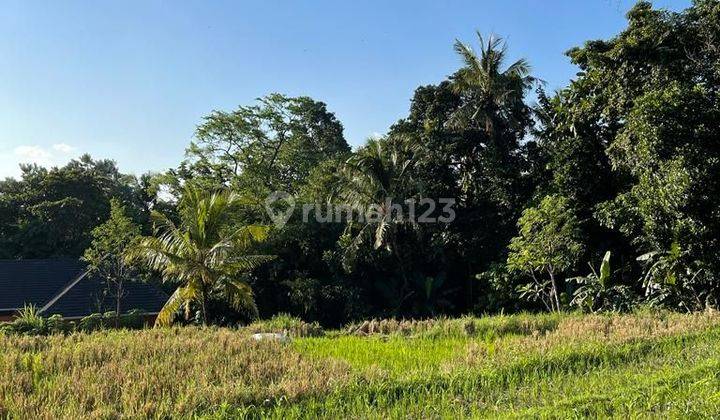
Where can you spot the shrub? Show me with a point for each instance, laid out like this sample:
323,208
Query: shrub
31,322
56,325
597,293
91,322
133,320
295,327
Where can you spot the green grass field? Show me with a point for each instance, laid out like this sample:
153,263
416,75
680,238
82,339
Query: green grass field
642,365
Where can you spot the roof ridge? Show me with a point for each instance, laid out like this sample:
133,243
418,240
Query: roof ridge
64,290
26,260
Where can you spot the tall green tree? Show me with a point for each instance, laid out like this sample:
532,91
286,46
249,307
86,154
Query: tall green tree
493,93
52,212
632,140
493,118
377,177
548,244
277,144
377,182
106,256
270,146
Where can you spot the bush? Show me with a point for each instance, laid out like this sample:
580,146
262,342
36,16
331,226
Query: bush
56,325
597,293
31,322
295,327
133,320
91,322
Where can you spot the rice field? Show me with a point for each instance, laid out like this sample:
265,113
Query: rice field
544,366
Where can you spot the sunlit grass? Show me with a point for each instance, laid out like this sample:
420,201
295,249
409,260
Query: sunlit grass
397,356
650,364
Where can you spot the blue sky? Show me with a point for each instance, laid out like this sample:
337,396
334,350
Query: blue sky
130,80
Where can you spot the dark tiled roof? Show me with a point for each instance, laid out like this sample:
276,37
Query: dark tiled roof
34,281
87,297
41,281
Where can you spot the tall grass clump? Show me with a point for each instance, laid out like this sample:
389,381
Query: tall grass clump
29,321
520,324
283,323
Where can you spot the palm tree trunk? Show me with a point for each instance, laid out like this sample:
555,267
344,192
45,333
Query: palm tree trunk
398,257
203,305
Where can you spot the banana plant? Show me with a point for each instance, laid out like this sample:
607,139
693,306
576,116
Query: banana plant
674,278
596,293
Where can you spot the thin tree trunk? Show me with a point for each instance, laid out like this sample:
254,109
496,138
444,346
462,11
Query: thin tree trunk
203,308
554,289
542,298
118,300
398,257
396,252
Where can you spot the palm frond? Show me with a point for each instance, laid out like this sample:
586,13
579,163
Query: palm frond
240,296
247,235
381,233
520,69
488,92
245,263
178,299
468,56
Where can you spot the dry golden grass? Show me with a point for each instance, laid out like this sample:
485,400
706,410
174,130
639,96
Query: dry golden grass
152,373
585,331
621,328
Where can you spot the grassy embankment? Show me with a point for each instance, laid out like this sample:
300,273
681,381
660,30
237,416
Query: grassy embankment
537,366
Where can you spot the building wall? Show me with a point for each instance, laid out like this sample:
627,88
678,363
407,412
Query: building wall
6,318
149,319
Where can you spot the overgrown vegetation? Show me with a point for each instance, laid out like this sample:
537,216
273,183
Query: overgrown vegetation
30,322
622,160
285,324
557,366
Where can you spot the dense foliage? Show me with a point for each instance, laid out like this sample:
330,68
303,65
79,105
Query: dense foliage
625,159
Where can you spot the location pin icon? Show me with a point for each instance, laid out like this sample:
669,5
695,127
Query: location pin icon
279,214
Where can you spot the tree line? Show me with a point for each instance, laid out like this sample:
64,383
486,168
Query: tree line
603,195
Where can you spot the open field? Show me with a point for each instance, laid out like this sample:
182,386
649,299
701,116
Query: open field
560,366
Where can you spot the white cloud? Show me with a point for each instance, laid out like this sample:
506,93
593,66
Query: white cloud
10,159
33,154
63,148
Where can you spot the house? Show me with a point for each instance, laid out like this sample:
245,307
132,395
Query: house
64,287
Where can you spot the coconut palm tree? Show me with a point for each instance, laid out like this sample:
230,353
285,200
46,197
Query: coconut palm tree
377,180
492,107
376,177
204,254
490,91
